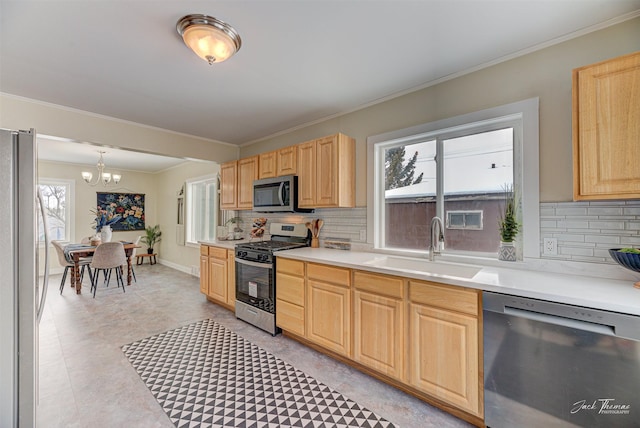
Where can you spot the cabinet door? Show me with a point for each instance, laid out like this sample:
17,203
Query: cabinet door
326,164
247,174
267,165
204,274
229,185
329,316
287,161
290,296
448,371
307,174
218,275
606,129
231,278
379,333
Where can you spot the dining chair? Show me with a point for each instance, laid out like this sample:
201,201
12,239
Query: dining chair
84,263
107,257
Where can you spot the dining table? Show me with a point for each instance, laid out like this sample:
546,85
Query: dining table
87,251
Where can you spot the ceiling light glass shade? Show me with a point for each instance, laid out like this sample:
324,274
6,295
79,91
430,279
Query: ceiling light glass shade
102,177
211,39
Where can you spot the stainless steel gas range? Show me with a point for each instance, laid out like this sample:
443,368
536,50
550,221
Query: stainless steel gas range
256,273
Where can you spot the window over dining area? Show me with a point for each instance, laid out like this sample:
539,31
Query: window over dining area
58,199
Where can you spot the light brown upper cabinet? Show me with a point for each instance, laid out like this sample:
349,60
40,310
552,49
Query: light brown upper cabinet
247,174
236,183
606,129
229,185
267,165
326,172
279,162
287,161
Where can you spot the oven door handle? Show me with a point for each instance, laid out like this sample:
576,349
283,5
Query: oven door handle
254,264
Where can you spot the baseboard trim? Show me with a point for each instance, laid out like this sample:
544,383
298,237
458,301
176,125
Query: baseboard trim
176,266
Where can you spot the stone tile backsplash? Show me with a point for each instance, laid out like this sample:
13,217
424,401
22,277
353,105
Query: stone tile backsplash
586,230
338,222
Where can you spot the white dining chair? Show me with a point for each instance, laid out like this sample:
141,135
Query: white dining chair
84,263
107,257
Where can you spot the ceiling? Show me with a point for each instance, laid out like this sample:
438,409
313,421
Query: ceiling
300,61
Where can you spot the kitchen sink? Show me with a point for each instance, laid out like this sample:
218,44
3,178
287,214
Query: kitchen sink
455,270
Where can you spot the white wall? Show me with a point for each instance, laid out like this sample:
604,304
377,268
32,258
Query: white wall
168,184
546,74
63,122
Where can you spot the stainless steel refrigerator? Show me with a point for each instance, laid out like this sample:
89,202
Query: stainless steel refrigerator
21,293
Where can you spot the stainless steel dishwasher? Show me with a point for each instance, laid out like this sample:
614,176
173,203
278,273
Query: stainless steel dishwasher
555,365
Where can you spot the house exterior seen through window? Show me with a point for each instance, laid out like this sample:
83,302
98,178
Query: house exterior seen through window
57,197
457,169
464,174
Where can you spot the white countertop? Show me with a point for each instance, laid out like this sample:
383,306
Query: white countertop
229,244
600,293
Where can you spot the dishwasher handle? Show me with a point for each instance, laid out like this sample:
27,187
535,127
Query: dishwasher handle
561,321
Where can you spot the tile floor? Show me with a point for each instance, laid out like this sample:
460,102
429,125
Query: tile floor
86,381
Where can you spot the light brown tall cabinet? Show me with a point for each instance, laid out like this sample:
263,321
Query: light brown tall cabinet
326,171
606,129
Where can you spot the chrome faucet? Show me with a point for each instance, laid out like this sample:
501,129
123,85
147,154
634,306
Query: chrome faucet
437,237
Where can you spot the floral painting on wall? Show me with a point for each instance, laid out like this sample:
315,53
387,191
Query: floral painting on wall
122,211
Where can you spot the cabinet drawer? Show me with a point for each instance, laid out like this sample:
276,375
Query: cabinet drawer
334,275
445,297
204,250
290,317
290,288
218,253
293,267
385,285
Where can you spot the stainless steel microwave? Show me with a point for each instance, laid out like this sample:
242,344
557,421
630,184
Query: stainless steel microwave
277,194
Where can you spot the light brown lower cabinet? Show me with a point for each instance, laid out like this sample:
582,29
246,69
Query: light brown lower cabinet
425,336
444,350
290,296
378,323
329,307
204,269
217,275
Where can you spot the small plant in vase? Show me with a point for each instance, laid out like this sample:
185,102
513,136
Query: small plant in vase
508,225
153,235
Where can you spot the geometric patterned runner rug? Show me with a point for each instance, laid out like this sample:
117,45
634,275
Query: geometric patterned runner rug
204,375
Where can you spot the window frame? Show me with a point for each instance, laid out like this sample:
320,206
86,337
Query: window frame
212,210
522,115
70,199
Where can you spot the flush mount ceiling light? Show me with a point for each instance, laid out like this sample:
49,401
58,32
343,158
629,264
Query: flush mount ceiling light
102,177
211,39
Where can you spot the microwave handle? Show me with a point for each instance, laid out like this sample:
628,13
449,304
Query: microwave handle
281,193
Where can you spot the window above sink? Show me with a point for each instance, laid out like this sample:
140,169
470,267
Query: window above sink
456,169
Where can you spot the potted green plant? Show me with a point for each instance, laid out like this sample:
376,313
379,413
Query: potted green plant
153,235
508,225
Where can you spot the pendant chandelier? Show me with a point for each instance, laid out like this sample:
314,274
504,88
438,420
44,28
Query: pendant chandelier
102,177
211,39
